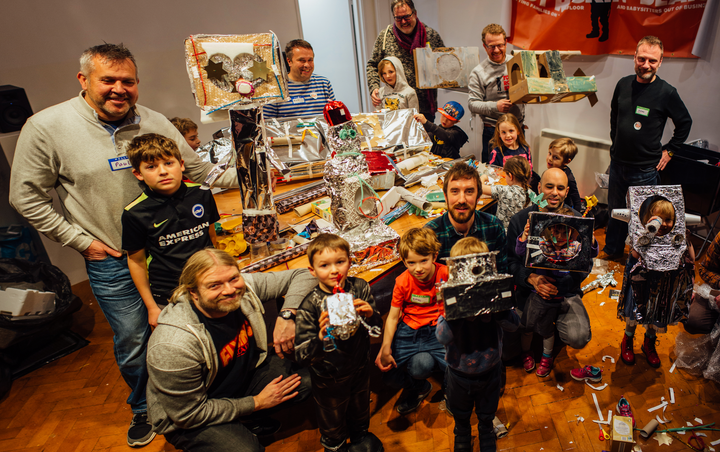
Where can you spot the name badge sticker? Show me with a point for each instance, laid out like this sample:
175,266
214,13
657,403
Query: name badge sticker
119,163
642,111
298,100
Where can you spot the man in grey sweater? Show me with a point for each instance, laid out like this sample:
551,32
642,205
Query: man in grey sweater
208,359
488,86
78,148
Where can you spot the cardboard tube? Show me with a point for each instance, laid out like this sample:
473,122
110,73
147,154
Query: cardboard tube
412,163
649,429
302,210
500,429
439,205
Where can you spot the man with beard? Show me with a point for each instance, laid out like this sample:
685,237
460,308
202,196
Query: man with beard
462,190
573,323
488,86
208,359
78,148
640,107
399,40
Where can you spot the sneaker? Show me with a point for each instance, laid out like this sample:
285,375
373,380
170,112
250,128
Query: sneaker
545,367
264,427
626,350
587,373
412,402
528,362
623,409
140,432
648,348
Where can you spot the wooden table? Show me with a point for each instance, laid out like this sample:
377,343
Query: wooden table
228,202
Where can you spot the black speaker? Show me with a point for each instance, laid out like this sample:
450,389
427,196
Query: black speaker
14,108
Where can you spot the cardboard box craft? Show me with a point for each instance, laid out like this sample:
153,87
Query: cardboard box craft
546,250
622,434
321,208
444,67
235,71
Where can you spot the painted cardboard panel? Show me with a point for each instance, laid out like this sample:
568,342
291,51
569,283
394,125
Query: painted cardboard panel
444,67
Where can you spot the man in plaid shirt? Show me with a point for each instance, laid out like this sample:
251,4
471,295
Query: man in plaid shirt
462,190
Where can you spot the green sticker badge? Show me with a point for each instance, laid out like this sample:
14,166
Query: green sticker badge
642,111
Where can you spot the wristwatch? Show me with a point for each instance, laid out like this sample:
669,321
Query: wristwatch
670,153
287,315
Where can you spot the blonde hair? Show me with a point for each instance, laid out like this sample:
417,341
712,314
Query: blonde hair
665,208
184,125
196,267
493,29
324,242
468,245
149,147
508,117
422,241
567,148
519,167
651,41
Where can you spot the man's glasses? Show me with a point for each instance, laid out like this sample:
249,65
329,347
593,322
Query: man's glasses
499,46
404,18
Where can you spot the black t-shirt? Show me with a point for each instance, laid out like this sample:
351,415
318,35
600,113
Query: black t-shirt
235,345
170,229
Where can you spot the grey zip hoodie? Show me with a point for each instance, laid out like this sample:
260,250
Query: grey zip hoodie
400,96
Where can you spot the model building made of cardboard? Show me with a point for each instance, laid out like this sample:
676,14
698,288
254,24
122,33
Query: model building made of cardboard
235,71
444,67
475,287
539,78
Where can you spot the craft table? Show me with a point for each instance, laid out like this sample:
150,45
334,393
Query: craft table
228,202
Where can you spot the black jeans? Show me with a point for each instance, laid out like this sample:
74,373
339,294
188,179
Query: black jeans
483,393
343,406
233,436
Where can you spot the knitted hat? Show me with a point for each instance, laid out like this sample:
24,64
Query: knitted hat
452,110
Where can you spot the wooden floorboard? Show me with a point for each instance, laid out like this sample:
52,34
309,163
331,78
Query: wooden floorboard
77,403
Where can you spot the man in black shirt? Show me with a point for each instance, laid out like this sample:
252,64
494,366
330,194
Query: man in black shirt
209,361
640,107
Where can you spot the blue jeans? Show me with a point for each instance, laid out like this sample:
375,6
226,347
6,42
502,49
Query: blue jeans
128,317
417,353
622,177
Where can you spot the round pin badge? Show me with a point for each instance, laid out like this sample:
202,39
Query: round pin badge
198,210
637,125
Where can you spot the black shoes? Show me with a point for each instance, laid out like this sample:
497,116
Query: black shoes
140,432
414,399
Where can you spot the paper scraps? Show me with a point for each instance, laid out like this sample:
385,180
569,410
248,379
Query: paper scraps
672,396
715,443
560,387
597,388
637,448
672,369
662,405
663,439
612,360
698,420
597,406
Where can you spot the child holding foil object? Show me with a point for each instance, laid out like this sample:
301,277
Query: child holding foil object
654,296
474,375
334,341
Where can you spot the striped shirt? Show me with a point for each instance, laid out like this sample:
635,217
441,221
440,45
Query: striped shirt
485,227
305,99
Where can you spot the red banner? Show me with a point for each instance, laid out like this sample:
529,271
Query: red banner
595,27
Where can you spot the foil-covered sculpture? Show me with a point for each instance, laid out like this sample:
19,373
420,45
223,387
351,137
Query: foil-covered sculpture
297,140
560,242
662,279
475,287
235,71
603,281
342,317
259,217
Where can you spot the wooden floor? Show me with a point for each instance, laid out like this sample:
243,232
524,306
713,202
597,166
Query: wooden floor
77,403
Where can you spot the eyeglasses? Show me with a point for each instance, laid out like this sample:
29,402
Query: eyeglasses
499,46
404,18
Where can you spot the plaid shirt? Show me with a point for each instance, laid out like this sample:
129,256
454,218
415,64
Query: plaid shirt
486,227
710,268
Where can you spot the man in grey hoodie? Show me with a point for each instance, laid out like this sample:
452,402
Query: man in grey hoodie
488,85
208,360
78,149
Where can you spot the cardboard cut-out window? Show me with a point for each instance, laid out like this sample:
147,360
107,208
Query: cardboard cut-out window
560,242
475,287
658,252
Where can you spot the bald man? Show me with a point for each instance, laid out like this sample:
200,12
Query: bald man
573,322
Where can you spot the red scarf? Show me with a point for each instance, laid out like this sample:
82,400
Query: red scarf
418,38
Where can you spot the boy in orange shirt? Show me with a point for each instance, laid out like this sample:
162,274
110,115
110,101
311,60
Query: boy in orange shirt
410,350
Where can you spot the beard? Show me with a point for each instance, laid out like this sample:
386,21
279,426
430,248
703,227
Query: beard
648,75
216,306
459,217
